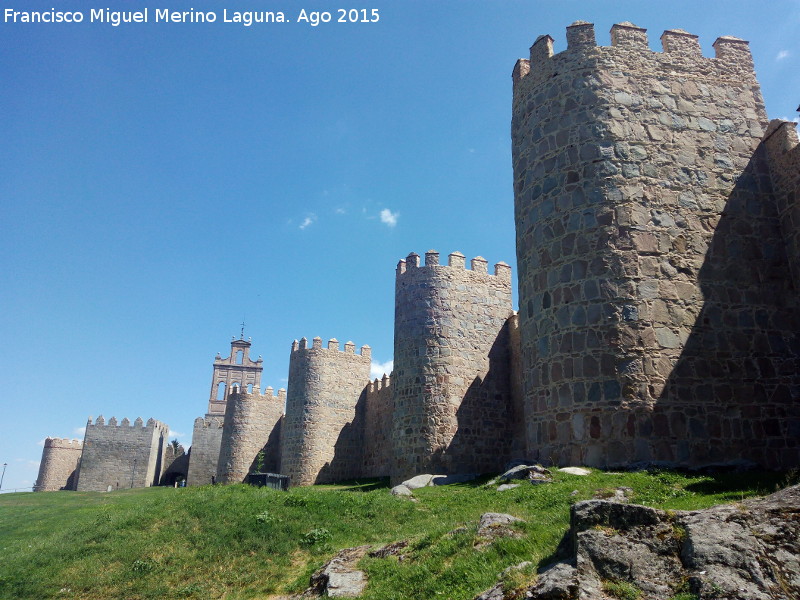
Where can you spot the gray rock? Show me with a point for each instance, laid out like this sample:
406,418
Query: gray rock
496,525
531,472
747,551
338,578
575,471
418,481
450,479
401,490
507,486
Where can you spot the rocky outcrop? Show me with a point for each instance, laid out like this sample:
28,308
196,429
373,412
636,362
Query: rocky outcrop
743,551
338,578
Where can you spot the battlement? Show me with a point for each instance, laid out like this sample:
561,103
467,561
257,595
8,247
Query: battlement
730,53
63,443
208,422
380,383
112,422
267,395
333,346
455,260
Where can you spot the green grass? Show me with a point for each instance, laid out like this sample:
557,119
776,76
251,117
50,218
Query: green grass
240,542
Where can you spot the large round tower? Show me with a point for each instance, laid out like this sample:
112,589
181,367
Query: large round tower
656,319
452,392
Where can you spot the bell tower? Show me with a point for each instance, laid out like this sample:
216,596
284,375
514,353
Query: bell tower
236,371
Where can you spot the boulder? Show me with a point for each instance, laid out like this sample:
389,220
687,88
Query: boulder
401,490
497,525
418,481
507,486
338,578
575,471
744,551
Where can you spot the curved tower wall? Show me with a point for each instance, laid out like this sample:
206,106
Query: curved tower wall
248,424
452,398
656,319
322,436
60,461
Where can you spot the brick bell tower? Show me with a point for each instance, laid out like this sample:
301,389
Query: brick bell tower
236,371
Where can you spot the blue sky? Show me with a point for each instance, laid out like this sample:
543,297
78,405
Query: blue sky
162,182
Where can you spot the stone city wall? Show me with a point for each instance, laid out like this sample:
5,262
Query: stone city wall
783,157
249,421
124,455
656,319
60,461
378,408
204,453
322,438
451,366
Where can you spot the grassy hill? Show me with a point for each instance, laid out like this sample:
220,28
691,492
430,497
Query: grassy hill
242,542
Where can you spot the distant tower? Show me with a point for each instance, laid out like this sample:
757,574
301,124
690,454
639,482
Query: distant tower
322,434
252,425
235,371
453,406
60,462
657,319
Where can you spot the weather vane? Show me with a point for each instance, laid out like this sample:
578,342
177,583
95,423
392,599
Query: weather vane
241,336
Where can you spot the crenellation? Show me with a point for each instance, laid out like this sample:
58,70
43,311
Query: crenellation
412,261
350,347
457,260
628,35
678,41
316,343
580,36
541,52
479,265
431,258
521,69
333,344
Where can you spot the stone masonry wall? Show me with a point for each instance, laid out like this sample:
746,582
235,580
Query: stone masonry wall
451,380
122,455
60,460
204,455
656,319
249,420
378,409
322,438
783,156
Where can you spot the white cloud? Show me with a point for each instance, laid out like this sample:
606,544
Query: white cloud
389,217
81,431
308,220
376,369
176,434
782,54
340,211
41,442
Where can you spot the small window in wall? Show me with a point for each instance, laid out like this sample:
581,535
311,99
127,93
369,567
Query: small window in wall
220,391
239,355
235,387
249,388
